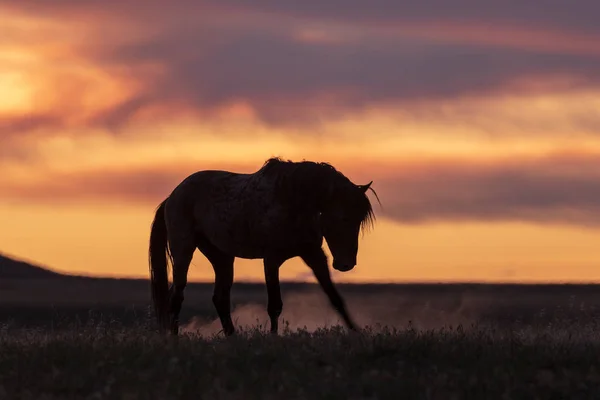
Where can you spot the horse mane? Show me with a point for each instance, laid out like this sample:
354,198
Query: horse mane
308,184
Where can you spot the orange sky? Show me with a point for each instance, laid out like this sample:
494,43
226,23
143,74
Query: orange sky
480,129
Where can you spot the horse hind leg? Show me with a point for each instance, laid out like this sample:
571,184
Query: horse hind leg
182,252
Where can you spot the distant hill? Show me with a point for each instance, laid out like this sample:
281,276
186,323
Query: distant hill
11,268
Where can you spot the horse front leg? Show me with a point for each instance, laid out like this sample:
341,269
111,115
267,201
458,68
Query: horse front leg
274,302
222,293
317,262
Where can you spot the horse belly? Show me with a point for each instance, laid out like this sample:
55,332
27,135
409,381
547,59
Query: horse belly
284,238
253,241
261,247
232,235
242,247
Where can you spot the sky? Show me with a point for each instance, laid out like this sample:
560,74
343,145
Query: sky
478,122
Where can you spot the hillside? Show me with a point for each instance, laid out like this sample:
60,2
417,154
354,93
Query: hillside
11,268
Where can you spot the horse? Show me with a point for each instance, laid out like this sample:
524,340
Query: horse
283,210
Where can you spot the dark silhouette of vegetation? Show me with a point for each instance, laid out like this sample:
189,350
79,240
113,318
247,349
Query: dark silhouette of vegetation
104,358
84,338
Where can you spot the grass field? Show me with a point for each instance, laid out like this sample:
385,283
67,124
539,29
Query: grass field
95,340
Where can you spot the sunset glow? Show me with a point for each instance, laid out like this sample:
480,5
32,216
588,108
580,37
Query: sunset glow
480,129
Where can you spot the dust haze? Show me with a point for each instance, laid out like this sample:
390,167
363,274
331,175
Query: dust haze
311,311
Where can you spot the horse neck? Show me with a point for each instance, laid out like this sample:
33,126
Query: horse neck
320,193
311,195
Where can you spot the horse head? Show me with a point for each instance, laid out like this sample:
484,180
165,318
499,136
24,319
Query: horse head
342,219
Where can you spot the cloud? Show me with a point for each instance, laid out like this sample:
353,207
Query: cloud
288,81
11,127
94,187
303,64
577,15
103,185
561,188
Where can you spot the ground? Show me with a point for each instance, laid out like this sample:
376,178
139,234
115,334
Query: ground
84,339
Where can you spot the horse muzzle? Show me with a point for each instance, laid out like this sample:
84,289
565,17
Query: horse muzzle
343,267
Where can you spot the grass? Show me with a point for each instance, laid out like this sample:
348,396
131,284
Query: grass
536,342
109,361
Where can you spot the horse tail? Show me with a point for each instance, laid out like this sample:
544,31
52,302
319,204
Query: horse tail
157,254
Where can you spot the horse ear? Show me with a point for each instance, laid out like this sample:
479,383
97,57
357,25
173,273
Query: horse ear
366,187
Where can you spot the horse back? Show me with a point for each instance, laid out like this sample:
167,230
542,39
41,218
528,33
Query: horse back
242,215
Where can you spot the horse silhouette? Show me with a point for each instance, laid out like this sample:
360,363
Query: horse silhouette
281,211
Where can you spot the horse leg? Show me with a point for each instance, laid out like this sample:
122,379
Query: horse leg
274,302
182,253
222,264
222,293
317,262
